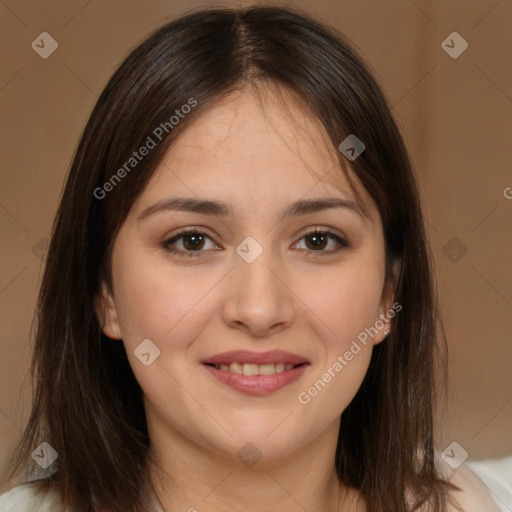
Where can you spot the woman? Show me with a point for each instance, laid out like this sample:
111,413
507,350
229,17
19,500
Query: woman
237,311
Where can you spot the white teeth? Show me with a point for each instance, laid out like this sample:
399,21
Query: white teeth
254,369
250,369
236,368
266,369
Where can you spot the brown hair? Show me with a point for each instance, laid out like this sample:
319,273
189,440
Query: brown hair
87,404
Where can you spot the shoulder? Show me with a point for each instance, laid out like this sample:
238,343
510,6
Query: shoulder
29,498
473,496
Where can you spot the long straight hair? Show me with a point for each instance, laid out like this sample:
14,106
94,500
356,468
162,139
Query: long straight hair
87,403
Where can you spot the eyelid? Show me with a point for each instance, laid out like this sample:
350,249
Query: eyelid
191,229
323,229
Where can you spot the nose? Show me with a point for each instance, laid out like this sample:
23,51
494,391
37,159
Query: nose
259,300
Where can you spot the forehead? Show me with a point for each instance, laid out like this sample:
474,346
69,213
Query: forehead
252,146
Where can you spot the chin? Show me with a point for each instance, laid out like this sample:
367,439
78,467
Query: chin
270,442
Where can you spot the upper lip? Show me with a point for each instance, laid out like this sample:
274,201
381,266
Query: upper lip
247,357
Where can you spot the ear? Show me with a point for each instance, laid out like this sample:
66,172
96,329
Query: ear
106,312
388,307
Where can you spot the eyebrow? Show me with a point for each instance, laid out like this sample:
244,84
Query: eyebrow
219,208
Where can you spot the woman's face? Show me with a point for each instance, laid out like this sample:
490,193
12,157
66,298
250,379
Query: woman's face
254,286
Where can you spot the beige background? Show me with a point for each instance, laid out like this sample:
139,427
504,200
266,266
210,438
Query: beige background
455,114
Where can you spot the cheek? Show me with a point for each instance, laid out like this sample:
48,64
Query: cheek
170,310
342,309
153,303
343,303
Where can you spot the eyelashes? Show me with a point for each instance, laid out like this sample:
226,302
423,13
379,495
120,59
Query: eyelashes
193,241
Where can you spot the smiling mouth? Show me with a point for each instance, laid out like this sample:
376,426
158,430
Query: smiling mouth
256,373
255,369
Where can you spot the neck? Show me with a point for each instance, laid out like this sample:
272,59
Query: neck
190,477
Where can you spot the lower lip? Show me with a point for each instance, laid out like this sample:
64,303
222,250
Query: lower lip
257,384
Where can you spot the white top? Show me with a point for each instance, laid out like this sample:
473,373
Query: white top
497,476
23,498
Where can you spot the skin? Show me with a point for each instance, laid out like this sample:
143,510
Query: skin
257,155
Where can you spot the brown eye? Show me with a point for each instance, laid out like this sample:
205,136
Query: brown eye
193,241
188,243
318,240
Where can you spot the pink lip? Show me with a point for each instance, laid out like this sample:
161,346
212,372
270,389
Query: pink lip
257,384
244,356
